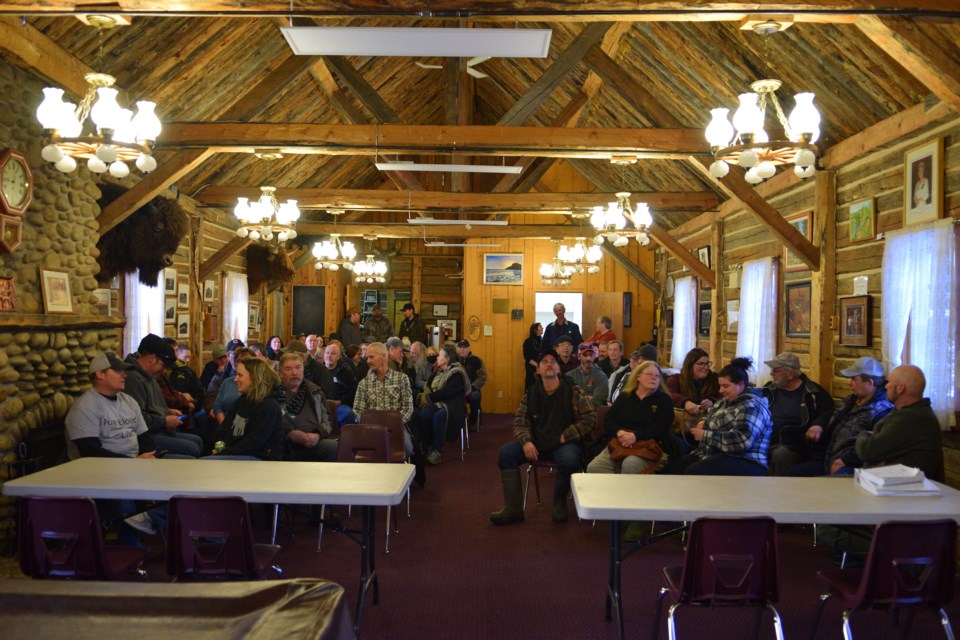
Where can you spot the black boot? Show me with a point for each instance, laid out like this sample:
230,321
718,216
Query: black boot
512,510
561,489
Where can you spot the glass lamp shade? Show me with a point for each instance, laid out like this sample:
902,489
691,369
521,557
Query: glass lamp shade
564,253
146,124
546,270
597,218
615,218
123,130
242,210
719,169
642,216
288,213
594,254
348,251
577,252
752,176
719,132
50,111
804,119
69,125
748,118
106,112
766,169
146,163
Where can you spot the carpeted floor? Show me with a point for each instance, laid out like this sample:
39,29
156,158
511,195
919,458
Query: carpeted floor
451,574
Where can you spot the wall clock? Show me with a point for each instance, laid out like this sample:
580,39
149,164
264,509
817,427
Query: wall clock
16,183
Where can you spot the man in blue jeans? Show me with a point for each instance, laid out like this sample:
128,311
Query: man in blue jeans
554,422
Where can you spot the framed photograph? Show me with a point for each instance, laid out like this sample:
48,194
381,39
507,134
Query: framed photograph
169,310
703,255
253,317
208,290
183,325
863,220
503,268
183,295
8,294
668,318
733,316
103,304
627,309
703,326
802,222
448,330
57,297
923,183
170,280
798,309
440,311
855,321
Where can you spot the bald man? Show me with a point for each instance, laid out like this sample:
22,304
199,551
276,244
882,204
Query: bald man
908,435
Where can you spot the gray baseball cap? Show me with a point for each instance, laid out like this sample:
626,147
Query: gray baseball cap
108,360
863,366
785,359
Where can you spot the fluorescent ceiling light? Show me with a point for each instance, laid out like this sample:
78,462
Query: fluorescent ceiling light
477,223
461,244
418,42
454,168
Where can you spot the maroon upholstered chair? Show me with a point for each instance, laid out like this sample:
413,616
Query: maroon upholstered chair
910,565
728,562
211,538
62,538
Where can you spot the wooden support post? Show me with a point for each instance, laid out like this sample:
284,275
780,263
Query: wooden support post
415,278
717,324
823,290
197,310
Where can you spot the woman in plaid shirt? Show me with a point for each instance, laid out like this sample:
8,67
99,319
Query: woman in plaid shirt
735,434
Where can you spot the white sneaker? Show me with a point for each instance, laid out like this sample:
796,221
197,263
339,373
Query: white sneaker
142,523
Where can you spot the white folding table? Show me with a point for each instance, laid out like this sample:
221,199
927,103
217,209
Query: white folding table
833,500
366,485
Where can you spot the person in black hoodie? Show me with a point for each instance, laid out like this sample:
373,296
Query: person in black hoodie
252,429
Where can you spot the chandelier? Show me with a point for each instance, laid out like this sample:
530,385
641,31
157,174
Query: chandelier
114,137
370,270
745,142
333,253
579,257
265,218
619,222
555,274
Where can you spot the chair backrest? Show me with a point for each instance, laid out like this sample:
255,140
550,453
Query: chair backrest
210,538
393,421
364,443
731,560
910,563
600,423
61,538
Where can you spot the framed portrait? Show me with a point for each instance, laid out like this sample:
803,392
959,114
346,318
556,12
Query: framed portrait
169,310
103,304
923,183
798,309
253,316
183,295
8,294
170,280
802,222
57,297
440,311
863,220
703,254
627,309
183,325
733,316
703,324
208,290
855,321
503,268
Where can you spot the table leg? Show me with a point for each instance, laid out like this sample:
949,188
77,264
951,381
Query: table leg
368,564
613,580
273,535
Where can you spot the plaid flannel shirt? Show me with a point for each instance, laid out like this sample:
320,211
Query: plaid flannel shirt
391,393
739,428
579,431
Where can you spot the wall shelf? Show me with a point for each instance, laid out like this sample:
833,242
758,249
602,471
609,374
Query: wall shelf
26,321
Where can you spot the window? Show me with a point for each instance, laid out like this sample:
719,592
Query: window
919,319
684,320
143,305
757,337
236,298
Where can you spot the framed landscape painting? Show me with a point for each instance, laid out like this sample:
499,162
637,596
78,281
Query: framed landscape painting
503,268
863,220
798,309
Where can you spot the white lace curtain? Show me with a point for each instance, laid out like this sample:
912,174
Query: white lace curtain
684,320
757,336
920,306
144,308
236,300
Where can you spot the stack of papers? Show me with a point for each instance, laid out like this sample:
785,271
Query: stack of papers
895,480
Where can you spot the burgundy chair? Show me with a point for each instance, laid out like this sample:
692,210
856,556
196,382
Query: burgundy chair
728,562
210,538
393,421
62,538
910,565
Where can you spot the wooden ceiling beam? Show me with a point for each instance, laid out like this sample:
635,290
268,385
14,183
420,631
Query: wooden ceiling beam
681,253
262,94
476,203
631,268
220,258
458,110
440,232
918,55
334,139
42,56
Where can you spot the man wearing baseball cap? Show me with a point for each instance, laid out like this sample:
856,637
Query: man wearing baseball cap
153,356
588,376
564,348
795,403
835,435
477,373
412,327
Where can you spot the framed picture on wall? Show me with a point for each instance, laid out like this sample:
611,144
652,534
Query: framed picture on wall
170,310
503,268
208,290
103,306
183,325
733,316
923,183
703,255
8,294
802,222
627,309
863,220
855,321
703,325
440,310
183,295
253,317
55,285
169,280
798,309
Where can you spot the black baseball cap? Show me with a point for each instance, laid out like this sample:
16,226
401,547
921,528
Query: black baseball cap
155,345
464,343
408,307
549,352
563,338
233,344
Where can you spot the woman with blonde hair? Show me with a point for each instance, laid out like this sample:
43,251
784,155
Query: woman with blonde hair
252,429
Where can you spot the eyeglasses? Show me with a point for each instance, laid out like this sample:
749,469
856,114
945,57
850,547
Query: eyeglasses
702,364
650,375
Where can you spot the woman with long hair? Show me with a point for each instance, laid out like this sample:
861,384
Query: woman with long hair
252,429
735,434
531,351
443,406
418,358
274,344
696,387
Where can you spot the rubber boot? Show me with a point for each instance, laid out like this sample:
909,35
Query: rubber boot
512,510
561,489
